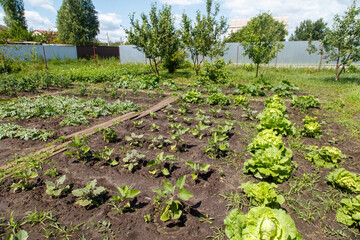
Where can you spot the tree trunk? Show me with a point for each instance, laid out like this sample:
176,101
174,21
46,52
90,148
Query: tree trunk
337,70
257,69
156,67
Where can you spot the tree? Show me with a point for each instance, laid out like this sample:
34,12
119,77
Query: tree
308,30
204,37
341,43
155,35
236,36
77,22
261,39
14,13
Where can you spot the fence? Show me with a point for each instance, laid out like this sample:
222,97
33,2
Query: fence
293,53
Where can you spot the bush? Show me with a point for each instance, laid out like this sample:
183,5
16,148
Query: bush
214,72
173,62
218,99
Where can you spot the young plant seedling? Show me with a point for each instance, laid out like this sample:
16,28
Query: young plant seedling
131,161
155,164
167,199
122,202
82,152
154,127
25,176
178,140
215,112
134,139
217,145
249,114
137,124
198,130
187,120
109,135
90,195
171,118
152,115
55,189
52,172
159,142
105,156
197,168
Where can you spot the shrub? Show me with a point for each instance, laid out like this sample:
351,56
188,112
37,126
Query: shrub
218,99
214,72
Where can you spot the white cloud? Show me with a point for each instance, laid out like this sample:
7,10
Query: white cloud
182,2
47,4
110,24
2,18
36,22
296,10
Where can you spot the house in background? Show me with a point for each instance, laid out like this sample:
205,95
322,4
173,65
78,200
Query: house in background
44,36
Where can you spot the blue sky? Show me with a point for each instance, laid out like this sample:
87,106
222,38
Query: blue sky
41,14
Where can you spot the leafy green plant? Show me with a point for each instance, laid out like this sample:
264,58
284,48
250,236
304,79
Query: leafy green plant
344,179
200,116
131,160
52,172
262,194
82,152
55,189
241,101
273,118
198,130
249,113
109,135
122,202
349,211
261,223
214,72
265,139
90,194
271,162
192,96
25,176
157,164
105,156
11,130
154,127
152,114
197,168
176,136
311,127
250,89
134,139
327,157
159,142
217,146
138,123
218,99
166,199
113,93
13,229
215,112
305,102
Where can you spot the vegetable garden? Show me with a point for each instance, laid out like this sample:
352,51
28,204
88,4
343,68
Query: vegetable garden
231,157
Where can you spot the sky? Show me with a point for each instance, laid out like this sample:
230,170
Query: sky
113,15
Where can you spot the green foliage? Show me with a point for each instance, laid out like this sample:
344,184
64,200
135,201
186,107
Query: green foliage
262,194
349,211
82,152
166,199
218,99
308,30
192,96
11,130
55,189
142,82
131,160
157,165
265,139
261,223
122,201
273,118
305,102
159,142
284,89
90,195
218,146
249,89
311,127
134,139
203,38
327,157
155,36
52,172
344,179
105,156
275,102
198,130
14,14
341,43
241,101
176,135
109,135
175,60
261,39
25,176
197,168
214,72
77,22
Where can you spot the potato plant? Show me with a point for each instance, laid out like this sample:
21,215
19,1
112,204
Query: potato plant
90,195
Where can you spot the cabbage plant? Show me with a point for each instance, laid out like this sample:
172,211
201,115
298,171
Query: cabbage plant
344,179
261,223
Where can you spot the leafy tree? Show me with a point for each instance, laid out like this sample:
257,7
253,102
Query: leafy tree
14,13
236,36
261,38
203,38
155,35
77,22
341,43
308,30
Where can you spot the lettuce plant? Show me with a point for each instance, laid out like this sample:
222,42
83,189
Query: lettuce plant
273,118
25,176
218,99
349,211
197,131
159,142
344,179
275,102
167,199
305,102
261,223
270,163
327,157
109,135
265,139
135,139
90,194
192,96
241,101
311,127
262,194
